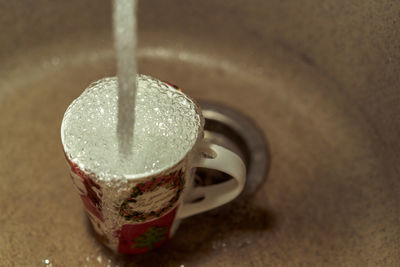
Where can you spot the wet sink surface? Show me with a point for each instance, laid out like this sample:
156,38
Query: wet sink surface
322,203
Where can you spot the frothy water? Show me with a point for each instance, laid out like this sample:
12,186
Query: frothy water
166,127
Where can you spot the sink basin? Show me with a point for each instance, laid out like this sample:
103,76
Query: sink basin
320,79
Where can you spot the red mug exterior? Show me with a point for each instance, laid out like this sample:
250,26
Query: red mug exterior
144,229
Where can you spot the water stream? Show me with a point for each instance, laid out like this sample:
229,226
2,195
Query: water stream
124,21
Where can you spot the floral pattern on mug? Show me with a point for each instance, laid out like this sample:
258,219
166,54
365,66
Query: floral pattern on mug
173,185
143,237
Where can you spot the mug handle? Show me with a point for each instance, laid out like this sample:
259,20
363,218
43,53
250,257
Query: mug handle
215,157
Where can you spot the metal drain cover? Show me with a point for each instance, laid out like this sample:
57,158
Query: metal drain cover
231,129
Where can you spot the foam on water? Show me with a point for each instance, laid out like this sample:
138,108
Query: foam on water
166,128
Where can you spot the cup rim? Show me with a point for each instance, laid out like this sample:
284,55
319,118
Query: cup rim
147,174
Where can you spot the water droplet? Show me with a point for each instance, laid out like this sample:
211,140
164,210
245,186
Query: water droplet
47,263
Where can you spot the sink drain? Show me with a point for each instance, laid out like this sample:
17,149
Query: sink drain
233,130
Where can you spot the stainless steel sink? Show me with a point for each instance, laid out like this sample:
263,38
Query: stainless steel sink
319,78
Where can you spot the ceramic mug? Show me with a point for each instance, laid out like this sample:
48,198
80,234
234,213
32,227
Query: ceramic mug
141,212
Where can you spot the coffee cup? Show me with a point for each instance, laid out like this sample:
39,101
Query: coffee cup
135,202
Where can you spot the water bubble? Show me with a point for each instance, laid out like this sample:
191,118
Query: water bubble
166,128
47,263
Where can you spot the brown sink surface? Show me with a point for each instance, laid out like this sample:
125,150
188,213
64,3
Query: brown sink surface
329,112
